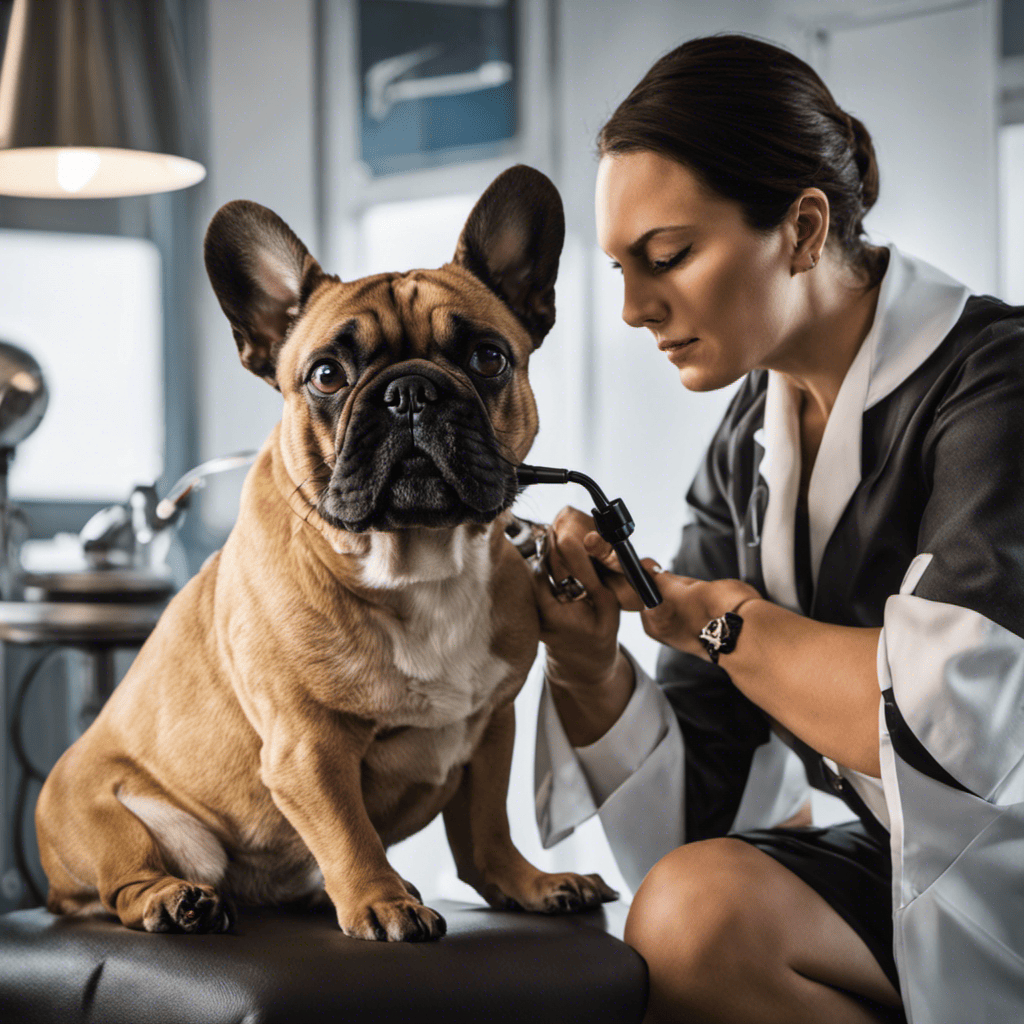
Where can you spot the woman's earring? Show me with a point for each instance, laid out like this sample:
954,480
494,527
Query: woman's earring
813,256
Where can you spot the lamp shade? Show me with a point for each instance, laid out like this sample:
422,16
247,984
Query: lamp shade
93,102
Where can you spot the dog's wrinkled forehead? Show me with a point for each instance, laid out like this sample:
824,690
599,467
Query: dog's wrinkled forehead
502,275
388,318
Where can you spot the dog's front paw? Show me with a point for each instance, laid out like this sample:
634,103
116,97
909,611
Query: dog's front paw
396,919
564,893
184,907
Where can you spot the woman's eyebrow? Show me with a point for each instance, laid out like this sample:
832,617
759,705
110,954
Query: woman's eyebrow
636,248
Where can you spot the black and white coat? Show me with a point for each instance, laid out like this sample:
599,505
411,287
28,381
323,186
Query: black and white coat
916,522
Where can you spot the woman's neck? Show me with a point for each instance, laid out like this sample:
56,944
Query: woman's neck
836,316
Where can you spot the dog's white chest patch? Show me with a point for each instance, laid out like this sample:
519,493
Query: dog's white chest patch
441,640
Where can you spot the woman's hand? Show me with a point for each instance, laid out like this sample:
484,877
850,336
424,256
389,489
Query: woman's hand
591,680
687,606
580,635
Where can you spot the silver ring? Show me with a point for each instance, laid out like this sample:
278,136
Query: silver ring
568,590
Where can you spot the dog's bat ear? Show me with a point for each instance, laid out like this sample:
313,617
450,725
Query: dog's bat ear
512,241
262,275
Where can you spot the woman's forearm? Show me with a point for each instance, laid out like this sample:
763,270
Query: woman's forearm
588,709
817,680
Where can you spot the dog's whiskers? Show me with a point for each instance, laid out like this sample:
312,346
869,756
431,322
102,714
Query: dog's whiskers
298,488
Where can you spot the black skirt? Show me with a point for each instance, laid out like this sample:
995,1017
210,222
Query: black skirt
850,869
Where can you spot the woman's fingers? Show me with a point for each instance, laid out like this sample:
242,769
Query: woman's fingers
569,558
572,544
626,597
687,607
550,608
597,547
569,526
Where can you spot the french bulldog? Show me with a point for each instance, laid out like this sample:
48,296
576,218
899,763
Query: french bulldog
344,668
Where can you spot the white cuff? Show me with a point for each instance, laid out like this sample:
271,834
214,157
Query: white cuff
610,760
562,793
641,788
958,680
645,818
570,782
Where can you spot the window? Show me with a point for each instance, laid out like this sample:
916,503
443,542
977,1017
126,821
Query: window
1011,213
88,309
410,234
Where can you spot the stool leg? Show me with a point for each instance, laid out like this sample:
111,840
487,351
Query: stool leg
88,690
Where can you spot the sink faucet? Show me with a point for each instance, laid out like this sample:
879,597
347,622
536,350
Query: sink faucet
138,533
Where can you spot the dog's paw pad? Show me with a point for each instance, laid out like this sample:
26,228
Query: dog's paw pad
574,893
566,901
564,893
396,920
497,898
193,909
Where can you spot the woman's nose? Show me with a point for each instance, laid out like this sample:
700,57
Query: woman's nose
641,305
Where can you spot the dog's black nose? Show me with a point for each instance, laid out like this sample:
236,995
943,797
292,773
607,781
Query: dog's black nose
409,396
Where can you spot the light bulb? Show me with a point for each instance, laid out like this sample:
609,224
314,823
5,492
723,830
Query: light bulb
76,168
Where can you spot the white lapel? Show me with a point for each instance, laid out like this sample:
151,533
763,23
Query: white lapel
837,468
917,307
780,467
922,306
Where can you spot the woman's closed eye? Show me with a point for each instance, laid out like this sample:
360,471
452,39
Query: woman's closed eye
659,266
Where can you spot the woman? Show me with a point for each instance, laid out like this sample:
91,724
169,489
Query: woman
860,512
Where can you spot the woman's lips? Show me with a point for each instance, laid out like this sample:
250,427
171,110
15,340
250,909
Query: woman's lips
670,348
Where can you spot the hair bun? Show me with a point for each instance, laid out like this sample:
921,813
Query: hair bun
867,164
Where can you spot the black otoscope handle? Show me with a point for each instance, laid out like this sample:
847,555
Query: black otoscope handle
613,522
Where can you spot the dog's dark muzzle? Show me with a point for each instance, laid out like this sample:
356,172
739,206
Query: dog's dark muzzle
419,450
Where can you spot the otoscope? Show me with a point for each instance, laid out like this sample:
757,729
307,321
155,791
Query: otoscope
613,521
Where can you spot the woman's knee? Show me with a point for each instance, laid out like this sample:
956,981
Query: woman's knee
697,908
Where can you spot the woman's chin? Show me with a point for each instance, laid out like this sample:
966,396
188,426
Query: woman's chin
696,378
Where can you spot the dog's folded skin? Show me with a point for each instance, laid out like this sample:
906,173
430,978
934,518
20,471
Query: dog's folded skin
344,668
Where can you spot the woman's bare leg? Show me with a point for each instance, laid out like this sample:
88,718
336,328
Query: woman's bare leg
729,934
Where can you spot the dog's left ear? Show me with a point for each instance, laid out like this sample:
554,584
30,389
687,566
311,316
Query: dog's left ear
512,242
262,274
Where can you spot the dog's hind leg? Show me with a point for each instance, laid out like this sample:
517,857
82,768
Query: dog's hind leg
94,848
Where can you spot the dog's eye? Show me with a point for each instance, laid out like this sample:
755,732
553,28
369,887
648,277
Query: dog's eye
487,361
328,377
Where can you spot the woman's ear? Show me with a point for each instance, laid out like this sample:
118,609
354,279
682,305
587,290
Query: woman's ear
808,221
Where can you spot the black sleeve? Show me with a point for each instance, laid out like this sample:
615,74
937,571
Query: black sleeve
972,467
721,728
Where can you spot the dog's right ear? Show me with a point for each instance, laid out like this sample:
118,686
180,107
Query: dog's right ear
262,275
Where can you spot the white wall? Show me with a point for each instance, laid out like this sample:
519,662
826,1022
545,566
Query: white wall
1011,154
924,81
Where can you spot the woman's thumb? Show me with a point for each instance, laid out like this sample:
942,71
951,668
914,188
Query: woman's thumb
597,547
658,620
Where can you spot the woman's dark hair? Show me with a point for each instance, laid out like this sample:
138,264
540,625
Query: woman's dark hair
758,126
